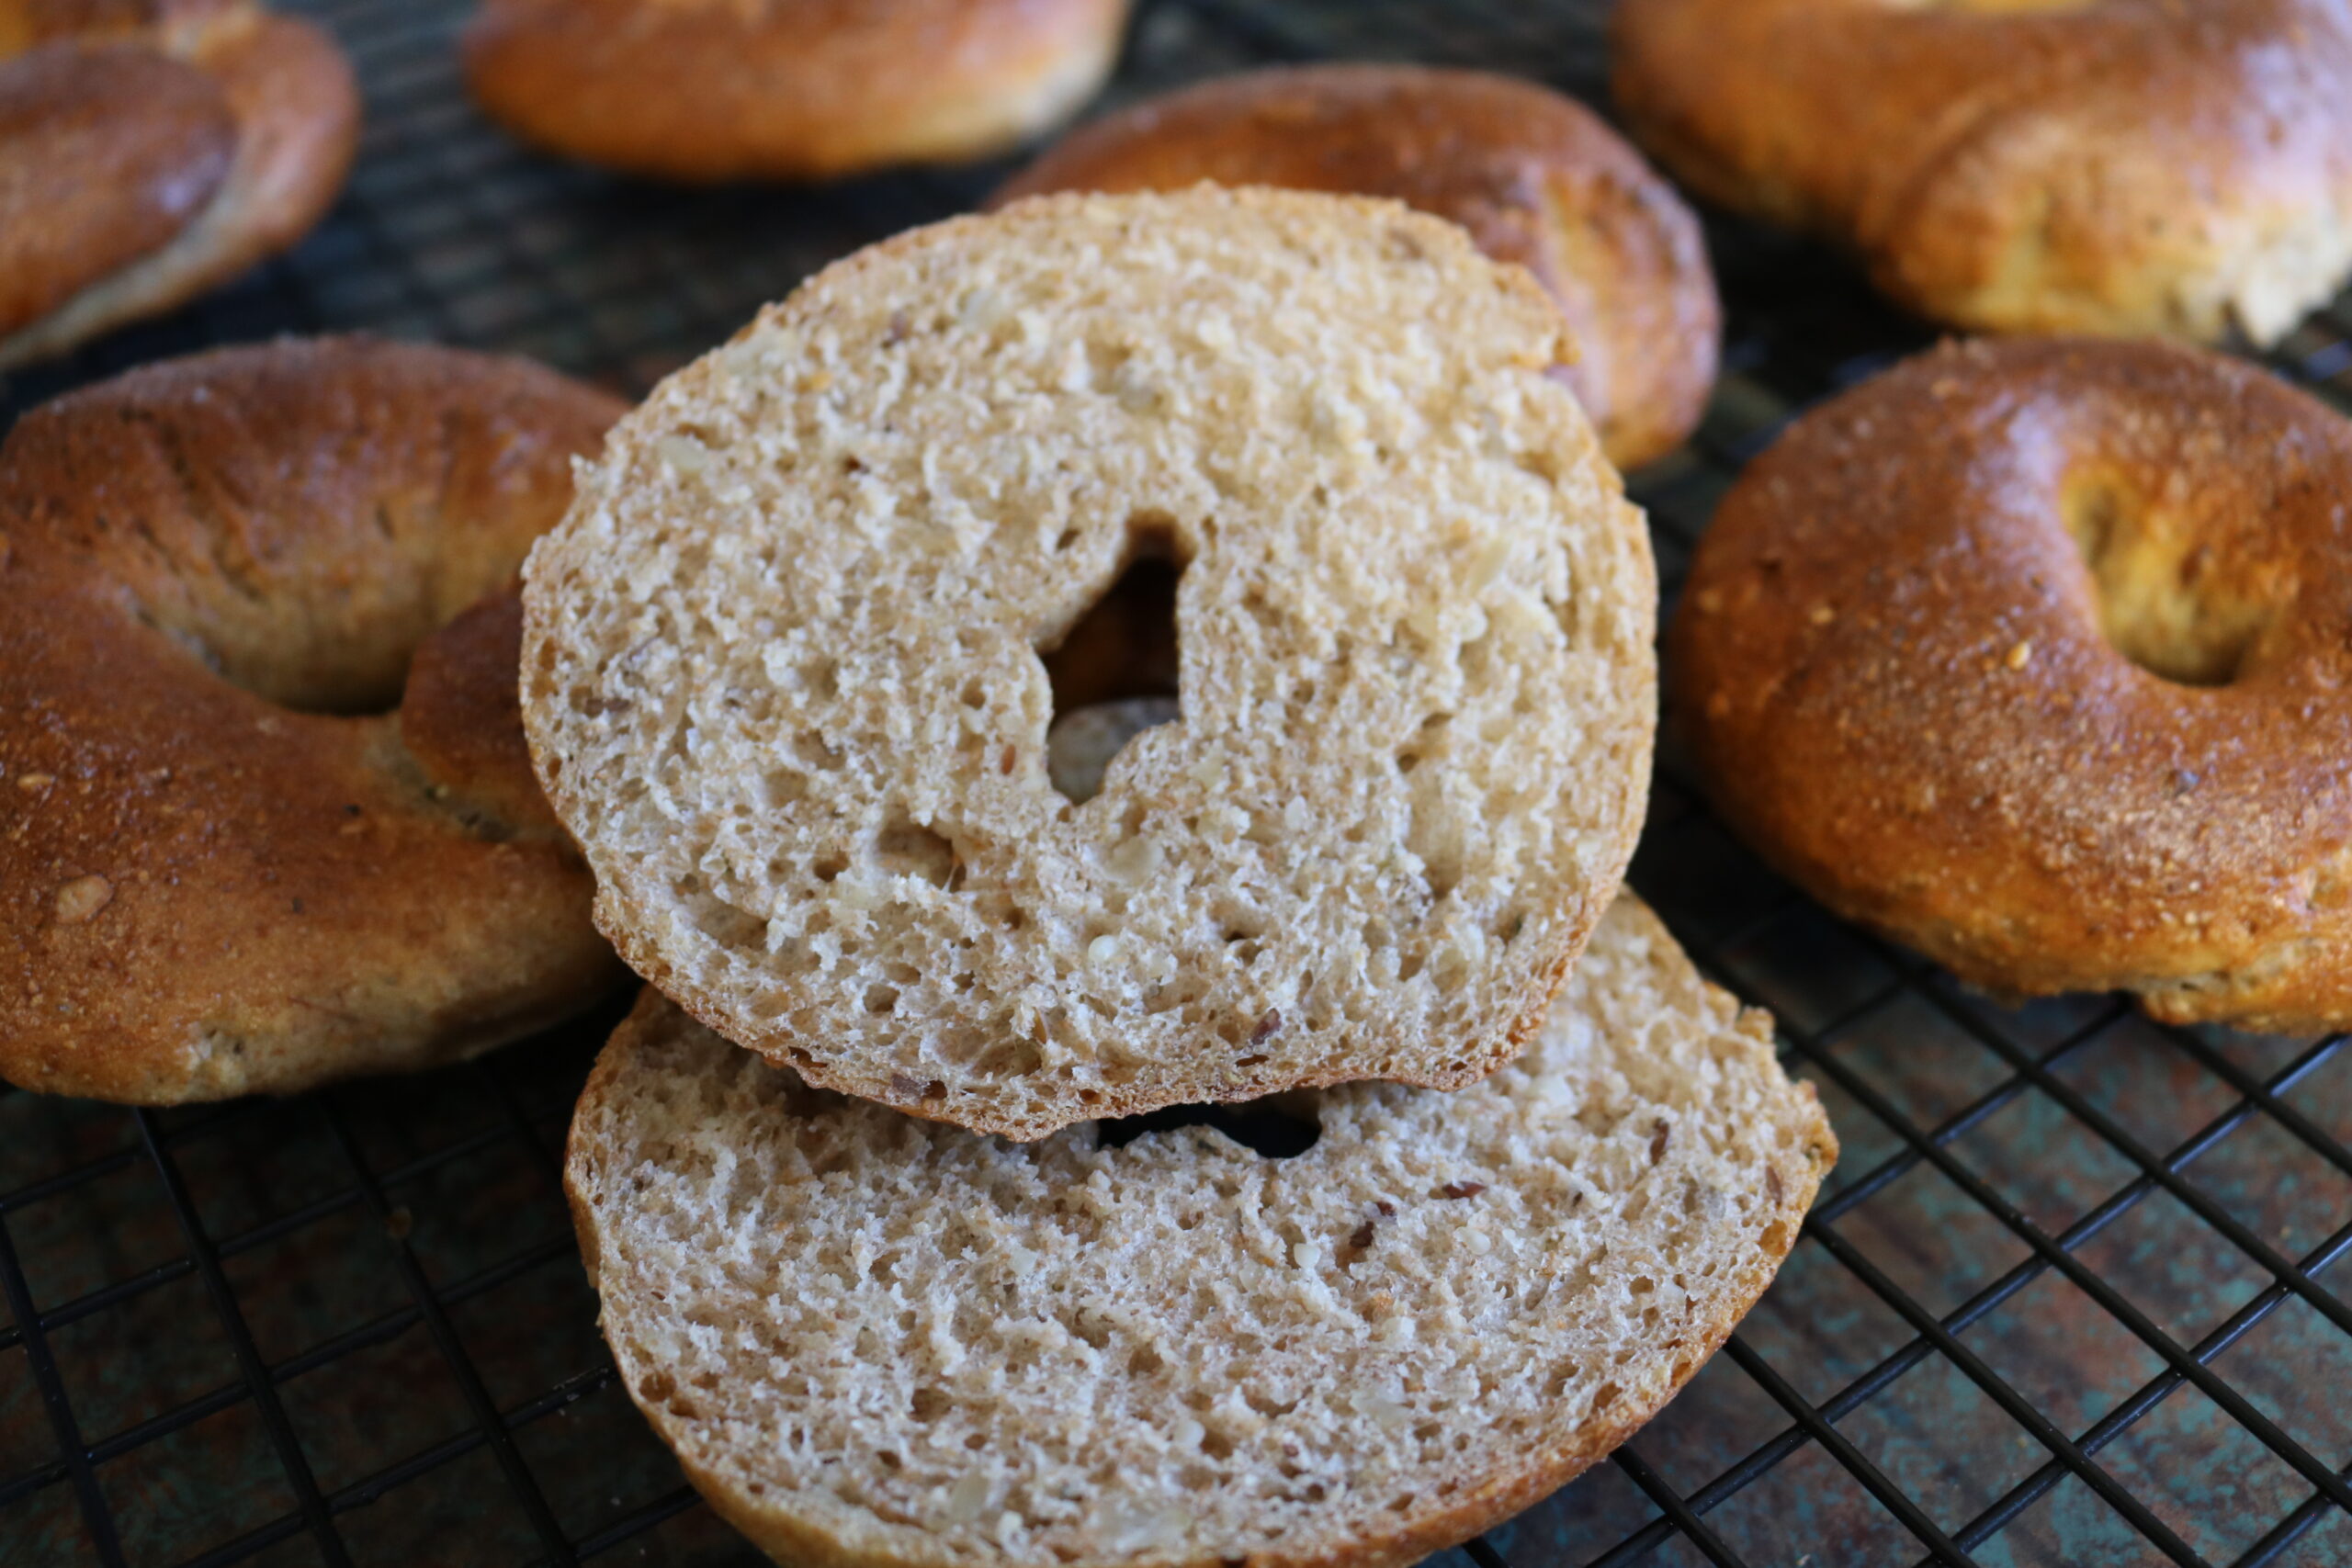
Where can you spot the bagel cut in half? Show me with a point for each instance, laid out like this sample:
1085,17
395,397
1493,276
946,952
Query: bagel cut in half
783,674
877,1341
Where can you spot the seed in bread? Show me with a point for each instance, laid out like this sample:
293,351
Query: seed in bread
876,1342
783,675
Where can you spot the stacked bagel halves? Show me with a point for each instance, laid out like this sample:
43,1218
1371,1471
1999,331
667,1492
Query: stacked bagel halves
787,680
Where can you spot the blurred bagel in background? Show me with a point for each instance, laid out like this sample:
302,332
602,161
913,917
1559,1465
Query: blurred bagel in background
2123,167
152,150
707,90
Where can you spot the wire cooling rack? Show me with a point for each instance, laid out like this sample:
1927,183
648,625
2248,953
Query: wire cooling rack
2067,1300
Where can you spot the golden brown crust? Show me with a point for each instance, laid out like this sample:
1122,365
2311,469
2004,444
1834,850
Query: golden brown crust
1535,178
785,89
25,23
212,883
86,188
298,119
461,715
1900,660
2117,166
158,150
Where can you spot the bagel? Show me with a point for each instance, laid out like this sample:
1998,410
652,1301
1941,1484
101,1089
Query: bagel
152,150
268,817
2035,655
2121,167
876,1344
1536,178
708,90
783,676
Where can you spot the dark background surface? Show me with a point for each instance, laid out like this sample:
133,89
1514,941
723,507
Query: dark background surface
2068,1298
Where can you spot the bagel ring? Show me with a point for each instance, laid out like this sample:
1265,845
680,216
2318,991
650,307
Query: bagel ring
784,662
151,150
2123,167
2038,656
786,89
228,862
1537,177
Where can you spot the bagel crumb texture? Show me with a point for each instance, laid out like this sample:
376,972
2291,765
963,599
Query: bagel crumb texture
783,676
1535,178
877,1341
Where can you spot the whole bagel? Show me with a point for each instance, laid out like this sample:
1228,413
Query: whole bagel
265,814
1537,179
2133,167
786,89
2038,656
151,150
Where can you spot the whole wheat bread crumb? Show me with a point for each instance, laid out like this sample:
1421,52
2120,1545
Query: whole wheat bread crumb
877,1340
782,681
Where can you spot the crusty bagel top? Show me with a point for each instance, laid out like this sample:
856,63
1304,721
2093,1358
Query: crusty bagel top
25,23
783,674
117,130
301,515
2039,651
1537,179
2019,163
205,565
735,89
104,155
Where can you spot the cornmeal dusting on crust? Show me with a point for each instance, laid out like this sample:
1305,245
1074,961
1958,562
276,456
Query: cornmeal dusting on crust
269,817
2085,724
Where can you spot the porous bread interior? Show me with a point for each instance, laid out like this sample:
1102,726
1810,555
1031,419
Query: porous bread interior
782,673
878,1341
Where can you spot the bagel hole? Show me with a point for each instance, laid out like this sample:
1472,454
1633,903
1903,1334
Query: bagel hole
1279,1127
2172,599
255,610
1114,674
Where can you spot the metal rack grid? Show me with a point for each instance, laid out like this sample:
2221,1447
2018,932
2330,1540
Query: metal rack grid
2066,1301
